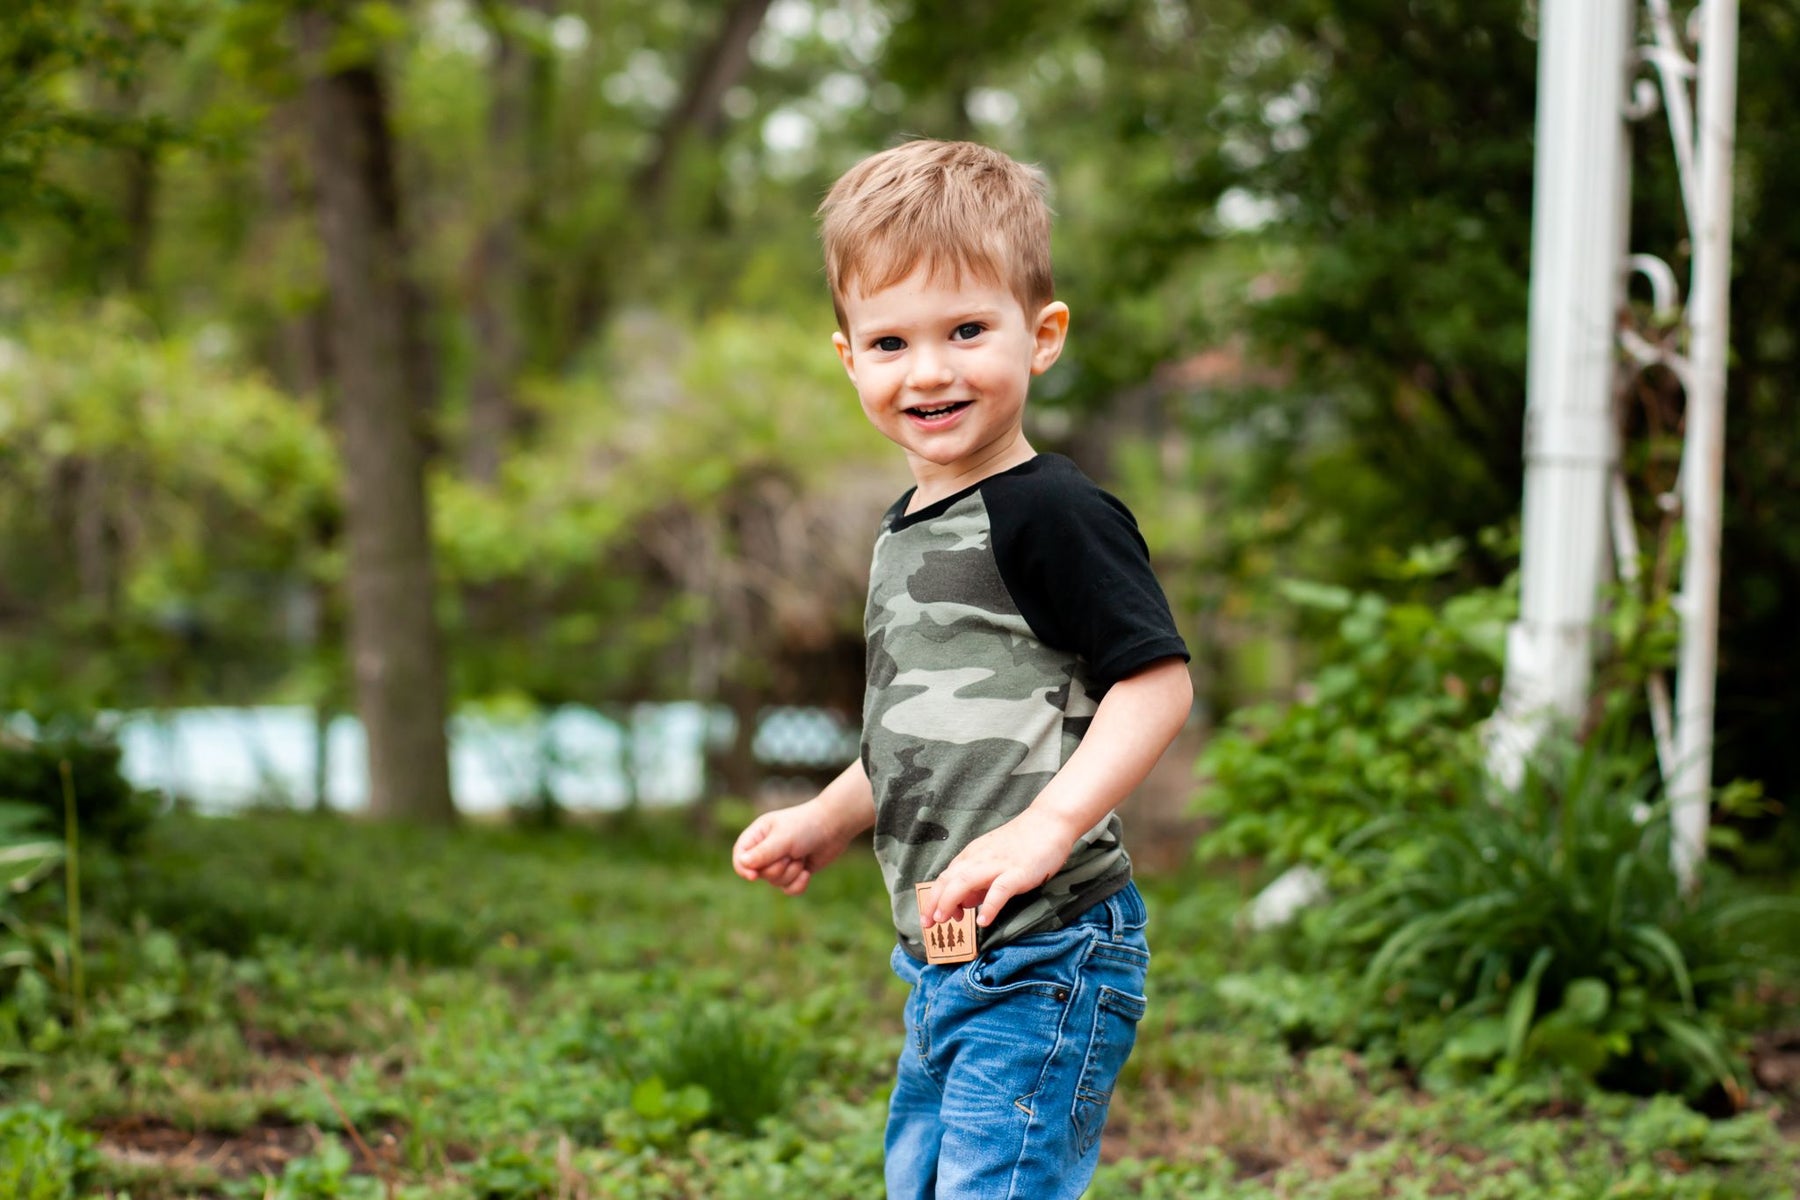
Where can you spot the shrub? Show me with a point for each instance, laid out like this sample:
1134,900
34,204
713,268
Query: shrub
106,804
41,1157
1388,726
1546,932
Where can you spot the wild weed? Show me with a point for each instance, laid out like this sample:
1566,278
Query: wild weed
710,1064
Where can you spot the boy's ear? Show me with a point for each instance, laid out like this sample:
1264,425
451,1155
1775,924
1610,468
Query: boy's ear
1048,335
842,345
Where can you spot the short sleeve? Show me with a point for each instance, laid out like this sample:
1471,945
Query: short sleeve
1078,569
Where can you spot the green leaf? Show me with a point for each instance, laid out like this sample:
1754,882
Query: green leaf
1587,1000
1571,1047
1664,950
1523,1005
24,865
17,818
1480,1042
1323,596
650,1099
1702,1045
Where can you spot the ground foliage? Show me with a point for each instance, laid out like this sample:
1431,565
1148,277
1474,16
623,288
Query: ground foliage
631,1020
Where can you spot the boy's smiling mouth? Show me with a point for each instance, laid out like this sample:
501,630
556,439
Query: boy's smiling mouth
931,414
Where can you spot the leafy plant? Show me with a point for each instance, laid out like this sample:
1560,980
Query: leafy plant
41,1157
697,1064
1546,931
324,1174
1387,727
658,1116
28,857
509,1173
747,1069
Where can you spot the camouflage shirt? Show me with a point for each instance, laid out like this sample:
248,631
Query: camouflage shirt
997,618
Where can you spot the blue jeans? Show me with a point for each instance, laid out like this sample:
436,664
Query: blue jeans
1010,1060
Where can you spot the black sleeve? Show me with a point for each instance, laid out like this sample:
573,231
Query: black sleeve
1077,567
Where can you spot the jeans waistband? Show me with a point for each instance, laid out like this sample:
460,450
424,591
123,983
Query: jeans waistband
1120,913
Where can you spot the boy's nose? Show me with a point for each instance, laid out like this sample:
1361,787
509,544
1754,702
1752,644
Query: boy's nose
928,373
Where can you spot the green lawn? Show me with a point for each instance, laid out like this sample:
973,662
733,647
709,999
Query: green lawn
291,1007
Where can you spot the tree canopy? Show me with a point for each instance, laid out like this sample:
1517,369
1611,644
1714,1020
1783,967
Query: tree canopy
1294,236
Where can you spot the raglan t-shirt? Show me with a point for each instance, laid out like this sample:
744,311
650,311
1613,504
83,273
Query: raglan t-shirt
997,618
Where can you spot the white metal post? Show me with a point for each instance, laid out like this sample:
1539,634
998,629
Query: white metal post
1577,239
1703,456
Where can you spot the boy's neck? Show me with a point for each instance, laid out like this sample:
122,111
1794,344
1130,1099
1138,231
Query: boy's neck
934,482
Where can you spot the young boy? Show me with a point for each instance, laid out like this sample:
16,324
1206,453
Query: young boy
1024,675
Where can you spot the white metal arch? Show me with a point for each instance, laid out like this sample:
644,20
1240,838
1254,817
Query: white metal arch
1586,64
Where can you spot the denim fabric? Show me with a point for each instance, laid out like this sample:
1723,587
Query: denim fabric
1009,1061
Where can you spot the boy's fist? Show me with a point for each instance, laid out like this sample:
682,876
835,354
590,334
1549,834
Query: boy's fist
783,848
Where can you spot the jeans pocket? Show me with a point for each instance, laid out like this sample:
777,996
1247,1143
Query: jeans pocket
1038,964
1116,1017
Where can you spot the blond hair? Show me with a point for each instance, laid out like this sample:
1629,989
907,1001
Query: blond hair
957,208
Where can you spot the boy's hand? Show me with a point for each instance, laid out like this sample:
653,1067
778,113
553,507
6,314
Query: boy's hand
999,865
785,847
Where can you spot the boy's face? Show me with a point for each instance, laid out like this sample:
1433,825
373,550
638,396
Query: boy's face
942,367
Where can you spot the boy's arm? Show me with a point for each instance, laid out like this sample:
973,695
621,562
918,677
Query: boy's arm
1137,719
786,846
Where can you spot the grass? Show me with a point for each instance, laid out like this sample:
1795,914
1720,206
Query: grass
337,1009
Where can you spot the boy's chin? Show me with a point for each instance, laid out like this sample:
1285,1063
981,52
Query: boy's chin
935,457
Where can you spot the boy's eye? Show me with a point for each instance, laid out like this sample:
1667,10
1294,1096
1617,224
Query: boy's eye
969,329
889,344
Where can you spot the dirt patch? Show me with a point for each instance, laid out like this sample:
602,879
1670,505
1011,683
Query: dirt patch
1258,1130
268,1148
1775,1060
333,1060
1775,1065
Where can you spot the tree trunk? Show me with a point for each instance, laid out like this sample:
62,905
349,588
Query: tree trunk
395,646
732,769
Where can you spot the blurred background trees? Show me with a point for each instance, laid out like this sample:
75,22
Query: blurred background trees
525,295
